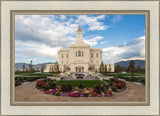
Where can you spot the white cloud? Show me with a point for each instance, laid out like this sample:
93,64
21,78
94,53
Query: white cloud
93,22
35,50
93,41
133,58
62,17
134,49
116,18
42,29
43,35
103,42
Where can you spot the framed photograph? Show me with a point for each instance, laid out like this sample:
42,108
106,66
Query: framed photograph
80,58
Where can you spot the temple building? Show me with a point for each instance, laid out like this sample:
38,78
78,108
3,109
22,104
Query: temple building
80,57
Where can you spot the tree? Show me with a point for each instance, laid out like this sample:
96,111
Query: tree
23,67
138,68
42,69
118,69
30,69
27,70
102,68
30,66
131,67
105,68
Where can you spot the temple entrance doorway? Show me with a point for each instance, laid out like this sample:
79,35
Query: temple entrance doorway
79,69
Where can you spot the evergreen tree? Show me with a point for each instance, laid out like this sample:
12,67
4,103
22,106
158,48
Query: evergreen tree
118,69
42,69
138,68
101,68
30,66
131,66
110,69
105,69
23,67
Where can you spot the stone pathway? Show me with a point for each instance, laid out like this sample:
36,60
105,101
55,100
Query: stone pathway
28,93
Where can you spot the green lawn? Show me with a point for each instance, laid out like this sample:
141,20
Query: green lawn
25,74
86,83
127,74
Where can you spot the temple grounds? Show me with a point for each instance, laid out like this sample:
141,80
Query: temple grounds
29,93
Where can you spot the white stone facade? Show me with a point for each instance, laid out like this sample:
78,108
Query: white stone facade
80,57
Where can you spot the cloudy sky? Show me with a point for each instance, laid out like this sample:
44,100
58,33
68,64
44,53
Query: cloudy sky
39,37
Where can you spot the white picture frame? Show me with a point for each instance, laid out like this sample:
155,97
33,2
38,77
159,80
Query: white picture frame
8,6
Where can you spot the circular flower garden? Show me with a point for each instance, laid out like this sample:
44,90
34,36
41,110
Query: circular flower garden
51,87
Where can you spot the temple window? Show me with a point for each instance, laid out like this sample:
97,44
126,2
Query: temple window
79,53
82,53
76,53
62,55
66,55
92,55
97,54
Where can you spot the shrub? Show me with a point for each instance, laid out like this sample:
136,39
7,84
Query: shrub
52,85
58,93
46,87
114,80
104,88
133,79
114,88
17,82
98,89
85,94
120,84
81,86
40,84
66,88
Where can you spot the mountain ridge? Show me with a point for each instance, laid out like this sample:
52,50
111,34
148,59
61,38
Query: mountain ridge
40,65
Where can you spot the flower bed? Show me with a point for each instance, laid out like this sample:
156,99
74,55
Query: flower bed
67,90
118,84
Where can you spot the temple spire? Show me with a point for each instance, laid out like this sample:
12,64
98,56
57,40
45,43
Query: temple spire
79,35
79,29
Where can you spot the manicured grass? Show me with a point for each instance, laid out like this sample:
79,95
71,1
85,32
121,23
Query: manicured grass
127,74
24,74
75,83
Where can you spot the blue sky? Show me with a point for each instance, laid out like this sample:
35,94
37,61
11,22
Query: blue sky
39,37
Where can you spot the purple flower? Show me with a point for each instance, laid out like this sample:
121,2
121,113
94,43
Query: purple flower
81,95
65,94
99,95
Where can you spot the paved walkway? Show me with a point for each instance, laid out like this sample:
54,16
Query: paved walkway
28,92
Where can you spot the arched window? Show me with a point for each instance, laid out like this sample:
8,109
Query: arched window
79,53
76,53
82,53
97,54
92,55
62,55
